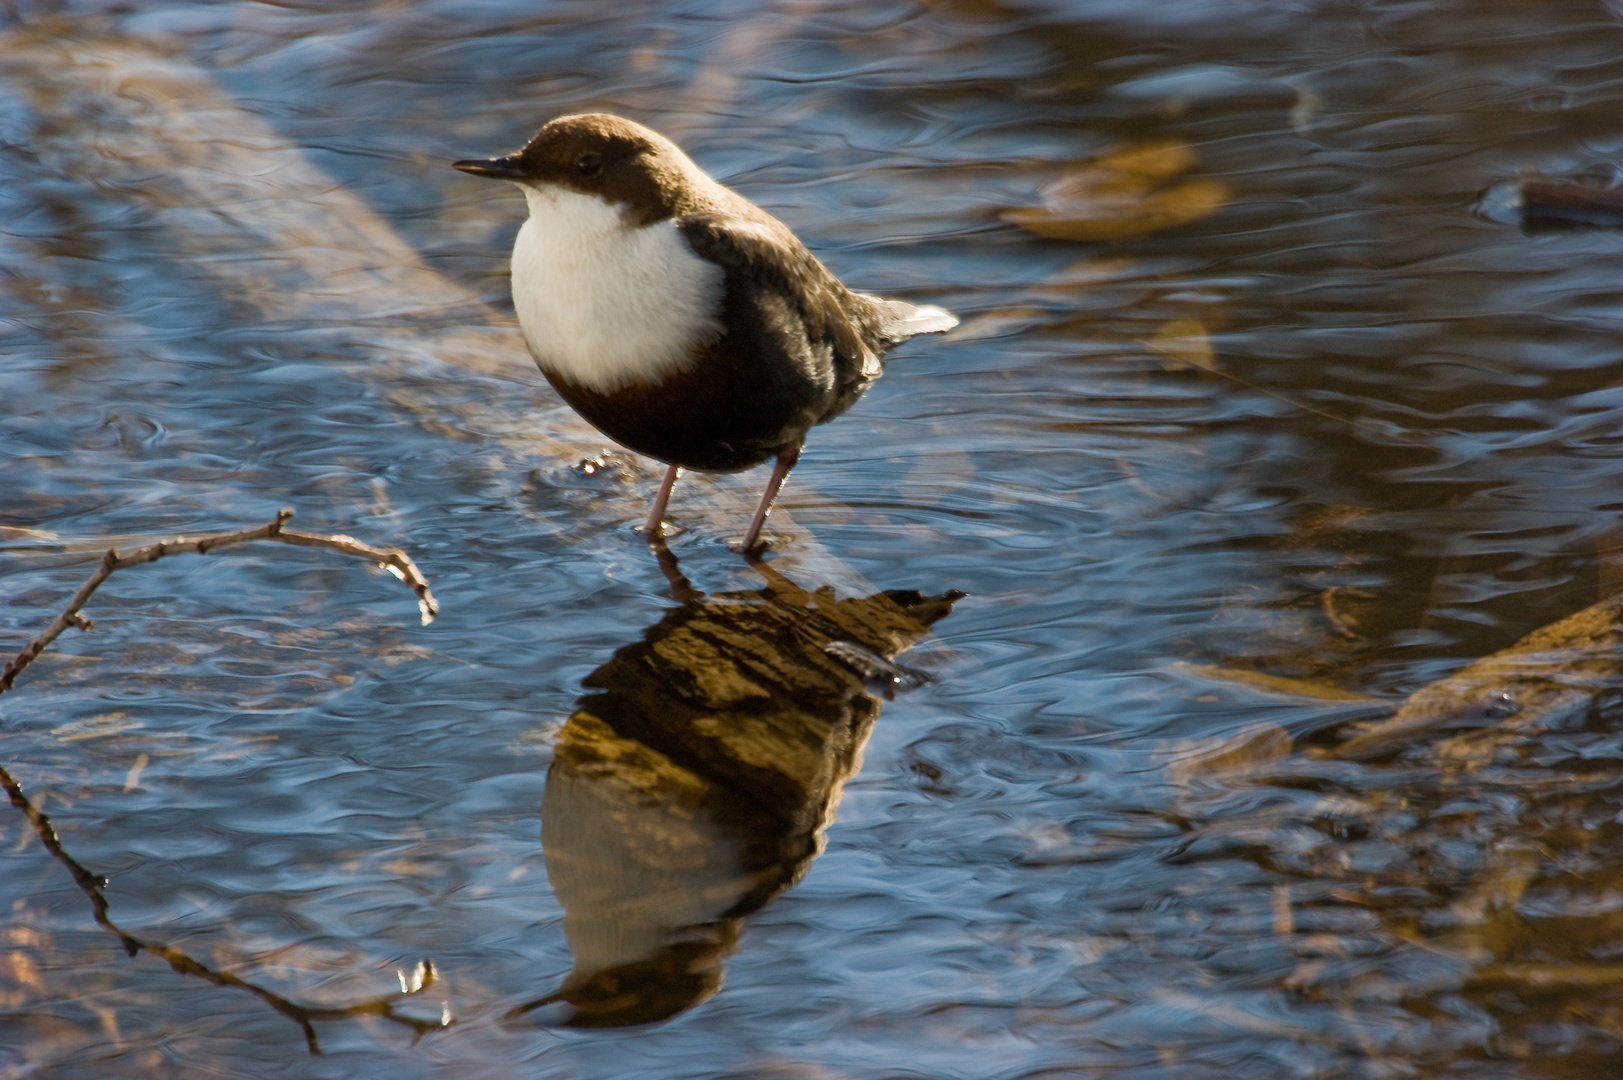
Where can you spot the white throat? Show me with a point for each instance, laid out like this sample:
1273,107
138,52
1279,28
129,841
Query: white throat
604,304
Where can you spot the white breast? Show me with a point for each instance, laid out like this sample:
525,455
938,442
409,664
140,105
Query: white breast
606,305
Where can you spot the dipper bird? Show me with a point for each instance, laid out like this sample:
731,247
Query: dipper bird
680,319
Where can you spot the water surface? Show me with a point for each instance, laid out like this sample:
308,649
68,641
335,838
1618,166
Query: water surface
1327,414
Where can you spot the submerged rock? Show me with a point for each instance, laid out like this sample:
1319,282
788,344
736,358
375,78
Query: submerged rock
1544,678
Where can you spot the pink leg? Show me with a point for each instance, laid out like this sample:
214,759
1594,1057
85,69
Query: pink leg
787,456
655,526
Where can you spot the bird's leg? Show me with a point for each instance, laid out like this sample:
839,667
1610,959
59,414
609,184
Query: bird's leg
682,590
787,456
655,525
781,588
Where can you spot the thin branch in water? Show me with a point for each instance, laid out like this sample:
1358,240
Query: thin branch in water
303,1015
394,560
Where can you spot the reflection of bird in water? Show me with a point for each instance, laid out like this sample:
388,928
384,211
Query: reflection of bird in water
694,786
676,316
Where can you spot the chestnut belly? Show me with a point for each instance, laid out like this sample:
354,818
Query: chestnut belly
712,416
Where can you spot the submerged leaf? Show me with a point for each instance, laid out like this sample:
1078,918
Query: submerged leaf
1250,748
1274,684
1184,343
1116,196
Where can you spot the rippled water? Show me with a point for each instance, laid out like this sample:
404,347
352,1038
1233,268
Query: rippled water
1302,399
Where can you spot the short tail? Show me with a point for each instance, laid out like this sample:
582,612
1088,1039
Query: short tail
895,320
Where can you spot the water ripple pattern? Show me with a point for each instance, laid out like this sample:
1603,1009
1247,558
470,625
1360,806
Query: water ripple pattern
1265,419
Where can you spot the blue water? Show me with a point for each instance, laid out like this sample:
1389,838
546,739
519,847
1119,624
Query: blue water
1398,457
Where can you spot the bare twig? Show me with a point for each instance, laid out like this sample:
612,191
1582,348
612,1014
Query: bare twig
394,560
303,1015
1327,604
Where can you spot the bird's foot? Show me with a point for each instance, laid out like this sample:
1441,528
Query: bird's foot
665,530
755,552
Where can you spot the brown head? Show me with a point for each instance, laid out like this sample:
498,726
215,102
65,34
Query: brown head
616,159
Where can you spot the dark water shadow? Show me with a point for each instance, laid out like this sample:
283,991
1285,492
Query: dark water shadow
694,785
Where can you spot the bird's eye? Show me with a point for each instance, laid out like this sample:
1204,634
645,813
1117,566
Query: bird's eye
589,164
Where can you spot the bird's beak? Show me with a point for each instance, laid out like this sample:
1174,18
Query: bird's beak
502,168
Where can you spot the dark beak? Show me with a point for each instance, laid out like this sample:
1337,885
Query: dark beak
502,168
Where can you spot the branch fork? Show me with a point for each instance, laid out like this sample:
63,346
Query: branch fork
394,560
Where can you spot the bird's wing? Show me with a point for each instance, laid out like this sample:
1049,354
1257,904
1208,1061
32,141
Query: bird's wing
768,254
